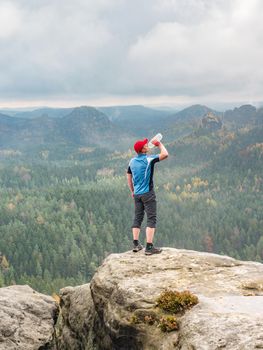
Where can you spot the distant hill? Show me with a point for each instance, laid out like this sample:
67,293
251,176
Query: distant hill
184,122
259,116
191,114
136,120
145,122
88,126
40,112
12,112
82,126
139,120
114,127
241,116
9,127
6,120
220,148
29,134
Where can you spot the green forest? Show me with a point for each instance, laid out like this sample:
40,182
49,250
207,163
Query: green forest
63,210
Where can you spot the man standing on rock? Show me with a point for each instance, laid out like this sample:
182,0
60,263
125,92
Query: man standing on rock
140,182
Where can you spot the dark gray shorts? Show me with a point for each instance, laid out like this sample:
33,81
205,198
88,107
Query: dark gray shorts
145,202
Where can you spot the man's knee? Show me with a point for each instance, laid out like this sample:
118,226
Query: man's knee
138,221
151,215
151,220
136,226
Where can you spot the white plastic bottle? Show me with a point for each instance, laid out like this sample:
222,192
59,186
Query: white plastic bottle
157,137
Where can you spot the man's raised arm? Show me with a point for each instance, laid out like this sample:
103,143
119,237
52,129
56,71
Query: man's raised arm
164,153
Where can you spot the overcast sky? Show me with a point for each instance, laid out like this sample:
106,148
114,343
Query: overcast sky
104,52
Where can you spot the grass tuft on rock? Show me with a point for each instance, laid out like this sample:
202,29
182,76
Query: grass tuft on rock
168,323
174,301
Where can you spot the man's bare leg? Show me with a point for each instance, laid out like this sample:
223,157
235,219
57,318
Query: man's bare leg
136,233
150,249
150,234
136,244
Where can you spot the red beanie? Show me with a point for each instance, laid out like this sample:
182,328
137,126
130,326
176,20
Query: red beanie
138,146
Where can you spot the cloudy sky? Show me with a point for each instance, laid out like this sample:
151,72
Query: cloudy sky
104,52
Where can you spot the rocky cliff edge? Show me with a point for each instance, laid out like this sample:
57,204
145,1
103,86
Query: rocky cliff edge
114,311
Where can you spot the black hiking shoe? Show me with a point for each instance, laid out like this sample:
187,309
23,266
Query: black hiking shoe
137,247
152,250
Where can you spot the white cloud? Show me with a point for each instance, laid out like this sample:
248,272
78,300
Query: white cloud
86,48
58,48
221,52
10,20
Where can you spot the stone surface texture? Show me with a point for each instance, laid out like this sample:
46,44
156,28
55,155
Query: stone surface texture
26,319
108,313
77,313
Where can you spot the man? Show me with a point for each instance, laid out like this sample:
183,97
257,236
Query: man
140,182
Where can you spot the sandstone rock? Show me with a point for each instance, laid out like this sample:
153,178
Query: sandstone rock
109,313
211,122
26,319
77,311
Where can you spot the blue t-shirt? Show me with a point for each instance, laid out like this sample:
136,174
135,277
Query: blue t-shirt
141,168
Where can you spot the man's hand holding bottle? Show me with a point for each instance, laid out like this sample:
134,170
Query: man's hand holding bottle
156,143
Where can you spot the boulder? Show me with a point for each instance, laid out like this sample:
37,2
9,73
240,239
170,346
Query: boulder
27,319
77,317
112,312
